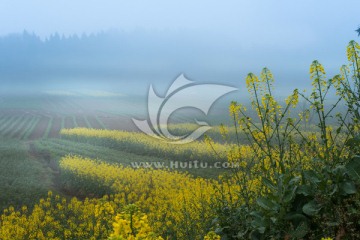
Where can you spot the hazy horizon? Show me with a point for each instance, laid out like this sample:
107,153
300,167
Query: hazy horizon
122,47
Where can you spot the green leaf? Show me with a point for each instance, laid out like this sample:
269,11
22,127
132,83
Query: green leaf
301,230
256,214
311,208
290,195
304,190
259,224
312,176
295,180
339,170
255,235
258,219
266,204
297,218
335,189
353,168
269,184
348,188
262,230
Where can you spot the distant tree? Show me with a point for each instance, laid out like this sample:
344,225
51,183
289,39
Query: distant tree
358,31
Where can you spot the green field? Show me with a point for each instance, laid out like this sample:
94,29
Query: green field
31,144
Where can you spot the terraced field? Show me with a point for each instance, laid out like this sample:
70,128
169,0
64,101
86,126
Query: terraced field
30,127
43,116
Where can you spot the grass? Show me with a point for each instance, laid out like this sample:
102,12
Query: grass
23,179
87,122
48,128
19,128
6,123
30,128
100,122
58,148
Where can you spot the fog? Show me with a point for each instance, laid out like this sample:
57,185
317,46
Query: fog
118,63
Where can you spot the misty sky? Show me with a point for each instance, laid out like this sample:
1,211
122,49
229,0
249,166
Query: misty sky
276,21
280,34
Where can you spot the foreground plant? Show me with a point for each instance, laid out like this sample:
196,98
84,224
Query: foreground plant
297,184
131,224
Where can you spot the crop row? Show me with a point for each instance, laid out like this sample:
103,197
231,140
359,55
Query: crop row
58,148
142,144
31,126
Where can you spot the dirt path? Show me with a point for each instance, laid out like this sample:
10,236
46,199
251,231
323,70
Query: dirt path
54,174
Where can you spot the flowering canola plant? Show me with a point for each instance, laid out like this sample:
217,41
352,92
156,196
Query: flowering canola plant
176,205
170,199
147,145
